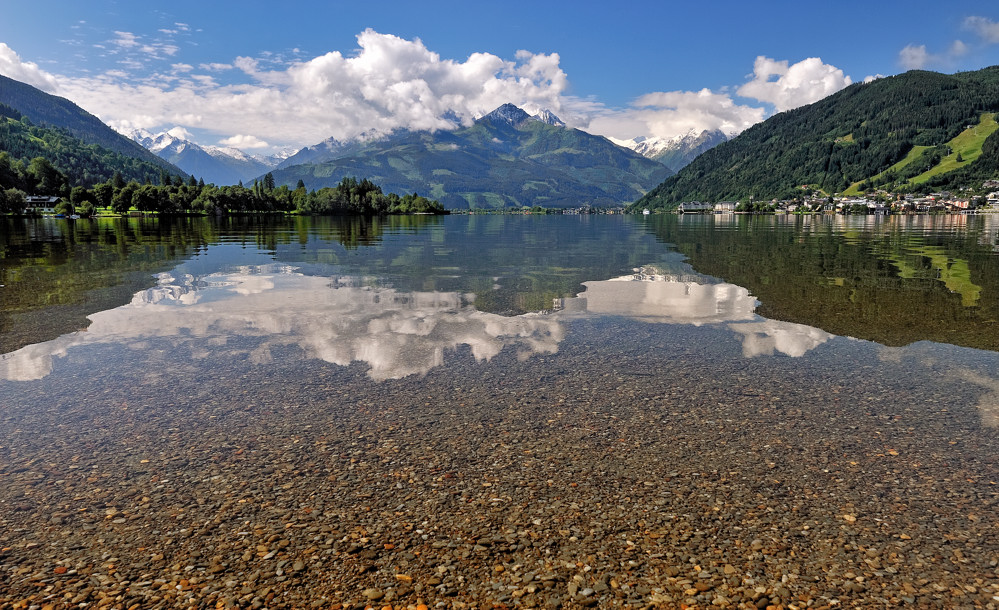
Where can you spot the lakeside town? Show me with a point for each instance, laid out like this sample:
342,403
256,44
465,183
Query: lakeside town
877,202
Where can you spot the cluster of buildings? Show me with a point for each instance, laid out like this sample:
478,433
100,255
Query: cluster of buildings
881,202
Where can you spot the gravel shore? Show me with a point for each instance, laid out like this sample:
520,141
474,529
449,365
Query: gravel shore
642,466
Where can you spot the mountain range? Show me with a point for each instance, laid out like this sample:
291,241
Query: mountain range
507,158
915,132
217,165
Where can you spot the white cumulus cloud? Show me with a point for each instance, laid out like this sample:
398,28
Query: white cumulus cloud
913,57
243,141
388,83
12,66
790,86
181,133
666,114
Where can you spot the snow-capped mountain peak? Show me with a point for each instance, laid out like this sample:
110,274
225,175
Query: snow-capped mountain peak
221,165
507,113
514,115
677,151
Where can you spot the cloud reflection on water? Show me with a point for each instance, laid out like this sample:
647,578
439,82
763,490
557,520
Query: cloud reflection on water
342,320
681,299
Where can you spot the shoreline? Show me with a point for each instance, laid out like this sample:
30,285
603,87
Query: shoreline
575,479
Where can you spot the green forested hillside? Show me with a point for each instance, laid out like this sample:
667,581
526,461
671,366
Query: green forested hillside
495,164
75,163
53,111
851,139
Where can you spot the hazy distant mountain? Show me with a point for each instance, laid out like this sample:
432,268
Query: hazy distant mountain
44,109
217,165
327,150
676,152
507,158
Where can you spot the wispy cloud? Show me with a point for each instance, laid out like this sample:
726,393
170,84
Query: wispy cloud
916,57
985,28
125,40
215,67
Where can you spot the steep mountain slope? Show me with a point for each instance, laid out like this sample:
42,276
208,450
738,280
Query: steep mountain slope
676,152
846,139
222,166
68,160
49,110
505,159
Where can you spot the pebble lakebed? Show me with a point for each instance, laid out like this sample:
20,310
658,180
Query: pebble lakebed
638,467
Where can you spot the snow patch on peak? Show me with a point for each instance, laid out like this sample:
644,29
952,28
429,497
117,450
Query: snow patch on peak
515,115
227,152
548,117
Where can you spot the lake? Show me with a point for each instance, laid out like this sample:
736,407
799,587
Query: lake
489,411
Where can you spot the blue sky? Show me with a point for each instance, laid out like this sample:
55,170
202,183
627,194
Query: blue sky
263,76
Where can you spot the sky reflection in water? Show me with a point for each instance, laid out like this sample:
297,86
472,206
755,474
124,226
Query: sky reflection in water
348,319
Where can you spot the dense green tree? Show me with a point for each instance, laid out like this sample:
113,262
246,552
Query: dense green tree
103,193
11,201
122,200
86,209
78,194
46,179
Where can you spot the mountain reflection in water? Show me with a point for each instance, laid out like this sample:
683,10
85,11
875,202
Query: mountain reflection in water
349,319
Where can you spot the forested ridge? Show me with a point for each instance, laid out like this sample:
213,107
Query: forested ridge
844,139
75,163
